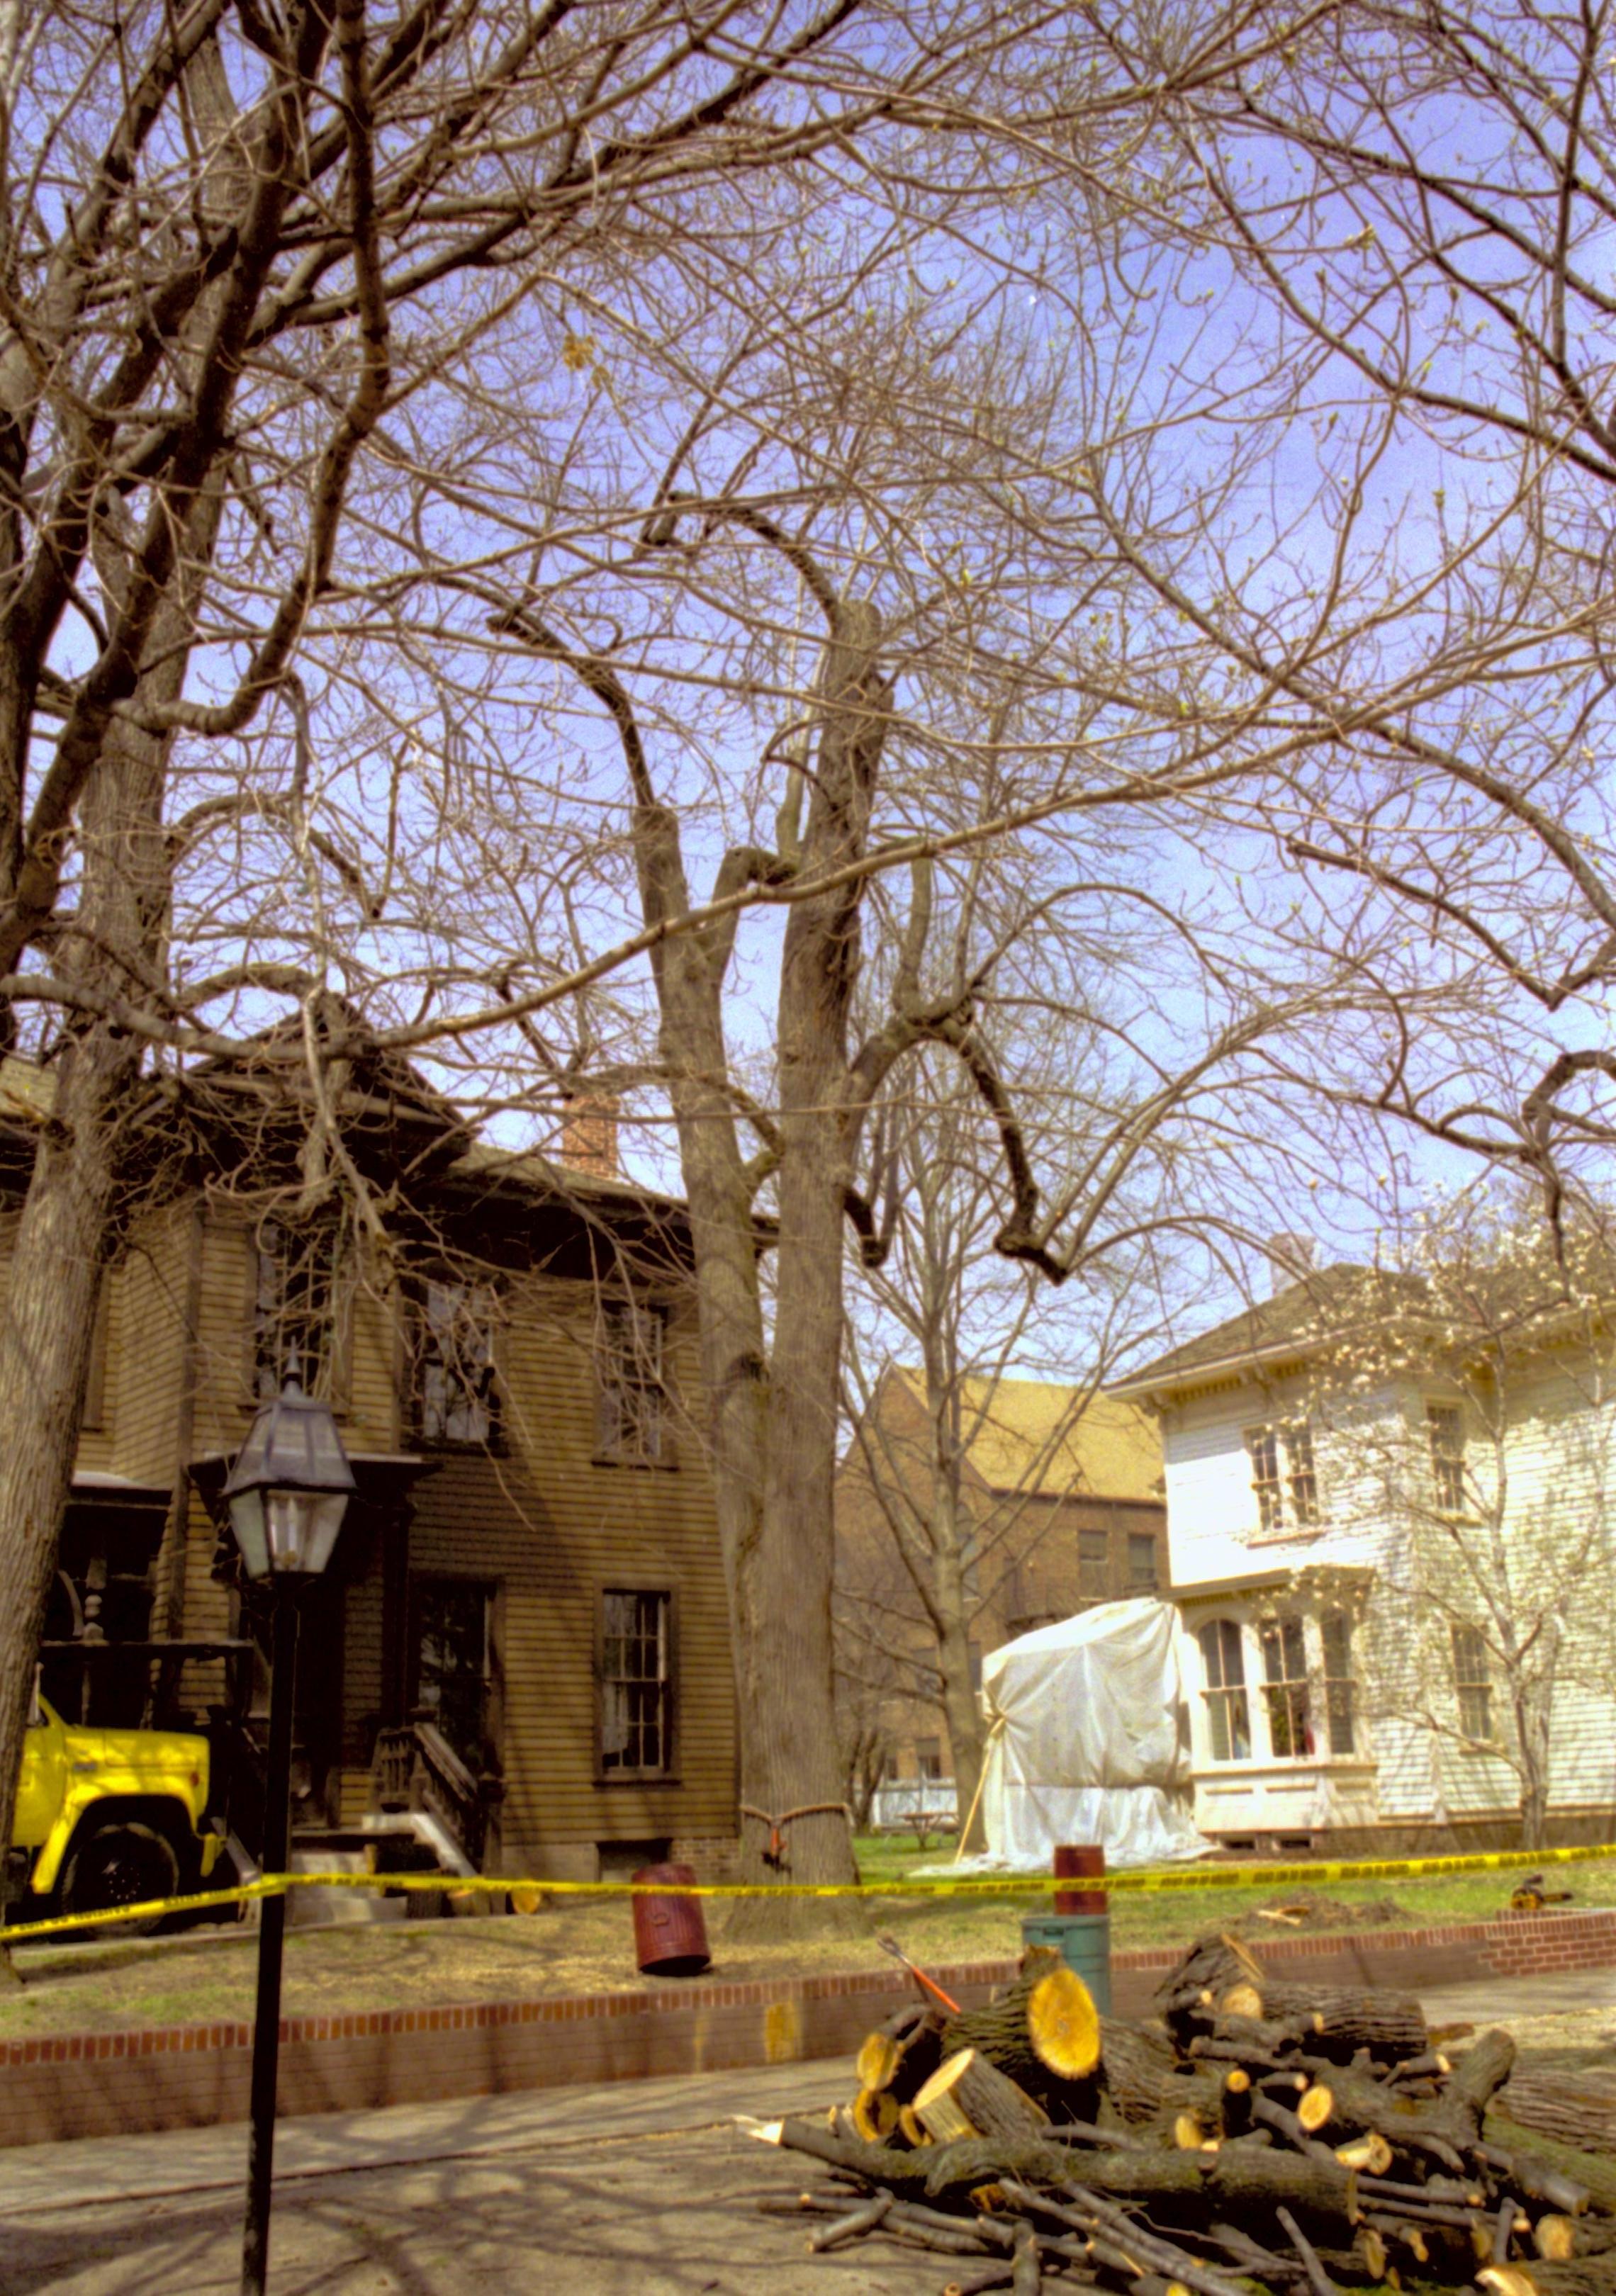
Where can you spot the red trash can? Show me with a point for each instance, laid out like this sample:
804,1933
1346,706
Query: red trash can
669,1934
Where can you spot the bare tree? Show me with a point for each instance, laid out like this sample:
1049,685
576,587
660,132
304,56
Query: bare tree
248,263
1417,202
925,1546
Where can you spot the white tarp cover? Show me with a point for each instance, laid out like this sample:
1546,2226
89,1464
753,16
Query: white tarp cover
1086,1742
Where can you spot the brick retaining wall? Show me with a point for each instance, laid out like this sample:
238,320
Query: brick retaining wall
188,2075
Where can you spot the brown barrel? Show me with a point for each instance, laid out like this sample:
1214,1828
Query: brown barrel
669,1934
1080,1861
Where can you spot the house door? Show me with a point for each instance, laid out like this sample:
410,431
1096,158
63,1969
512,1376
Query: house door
452,1653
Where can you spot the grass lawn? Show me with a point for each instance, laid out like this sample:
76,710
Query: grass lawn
582,1945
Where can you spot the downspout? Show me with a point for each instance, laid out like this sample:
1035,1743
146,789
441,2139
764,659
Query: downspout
176,1530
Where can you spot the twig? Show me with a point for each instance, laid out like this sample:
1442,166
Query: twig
848,2227
1318,2279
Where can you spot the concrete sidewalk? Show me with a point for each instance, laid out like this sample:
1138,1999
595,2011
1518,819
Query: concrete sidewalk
636,2188
200,2161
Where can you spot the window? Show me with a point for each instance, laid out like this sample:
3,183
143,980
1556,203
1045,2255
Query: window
1472,1679
1335,1634
1142,1562
929,1758
1284,1478
292,1301
631,1406
452,1363
1284,1666
1093,1564
452,1653
1445,1428
1263,1445
1228,1718
637,1682
1301,1480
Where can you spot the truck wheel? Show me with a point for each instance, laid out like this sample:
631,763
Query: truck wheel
125,1864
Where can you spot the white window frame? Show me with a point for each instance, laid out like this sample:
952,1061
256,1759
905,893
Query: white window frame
1283,1463
1472,1680
1225,1702
1445,1426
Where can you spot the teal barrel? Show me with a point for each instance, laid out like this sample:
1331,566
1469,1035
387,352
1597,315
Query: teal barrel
1083,1941
1078,1927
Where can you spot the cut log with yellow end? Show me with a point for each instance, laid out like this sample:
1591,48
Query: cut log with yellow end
1314,2106
1064,2025
1506,2280
526,1901
1371,2154
968,2096
874,2114
1189,2132
1241,2000
1370,2250
878,2060
913,2126
1555,2238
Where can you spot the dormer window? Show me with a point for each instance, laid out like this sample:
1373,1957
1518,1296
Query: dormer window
1284,1478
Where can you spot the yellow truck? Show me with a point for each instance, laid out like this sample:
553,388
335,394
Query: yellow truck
109,1818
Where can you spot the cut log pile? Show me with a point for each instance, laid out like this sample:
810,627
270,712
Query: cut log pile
1294,2138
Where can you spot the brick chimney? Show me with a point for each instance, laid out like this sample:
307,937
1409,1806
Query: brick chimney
1289,1257
589,1135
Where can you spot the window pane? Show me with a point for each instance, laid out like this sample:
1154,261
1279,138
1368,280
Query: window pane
1445,1427
1285,1670
454,1352
1228,1718
1303,1480
292,1307
1472,1679
1142,1562
629,1348
1336,1635
1094,1563
635,1679
1262,1444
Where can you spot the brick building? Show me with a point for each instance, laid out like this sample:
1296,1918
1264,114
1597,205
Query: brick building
1061,1501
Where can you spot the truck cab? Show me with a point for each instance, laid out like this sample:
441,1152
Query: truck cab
109,1818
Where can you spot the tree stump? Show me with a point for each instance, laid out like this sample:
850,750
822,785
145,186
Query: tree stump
969,2096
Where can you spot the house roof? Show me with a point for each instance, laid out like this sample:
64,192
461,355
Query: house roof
1521,1298
1325,1307
1047,1438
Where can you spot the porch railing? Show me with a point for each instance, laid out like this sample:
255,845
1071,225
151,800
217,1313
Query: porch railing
415,1768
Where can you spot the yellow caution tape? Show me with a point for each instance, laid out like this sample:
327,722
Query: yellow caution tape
1305,1874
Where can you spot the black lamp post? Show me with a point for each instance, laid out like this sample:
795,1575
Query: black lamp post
287,1494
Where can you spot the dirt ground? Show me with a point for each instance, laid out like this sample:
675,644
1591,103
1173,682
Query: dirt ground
663,2217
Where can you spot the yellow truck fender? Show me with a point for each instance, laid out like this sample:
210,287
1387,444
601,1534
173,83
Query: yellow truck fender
47,1866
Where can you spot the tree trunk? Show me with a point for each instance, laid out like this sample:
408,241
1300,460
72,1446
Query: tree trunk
789,1757
44,1354
62,1240
962,1714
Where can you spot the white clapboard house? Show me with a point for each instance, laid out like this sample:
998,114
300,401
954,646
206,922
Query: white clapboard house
1388,1546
